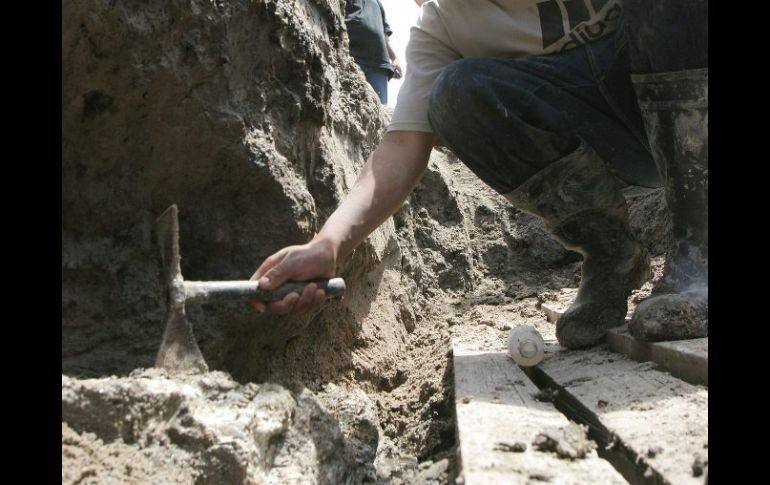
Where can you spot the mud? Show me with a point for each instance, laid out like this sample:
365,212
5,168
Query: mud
568,442
252,118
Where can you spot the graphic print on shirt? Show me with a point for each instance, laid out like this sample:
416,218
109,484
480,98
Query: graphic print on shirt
577,15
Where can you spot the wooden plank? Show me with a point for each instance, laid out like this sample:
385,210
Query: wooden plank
651,425
496,410
686,359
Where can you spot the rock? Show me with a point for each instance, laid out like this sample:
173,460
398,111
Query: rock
568,442
153,427
253,119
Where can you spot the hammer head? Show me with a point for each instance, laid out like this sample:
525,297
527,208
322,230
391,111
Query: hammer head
179,351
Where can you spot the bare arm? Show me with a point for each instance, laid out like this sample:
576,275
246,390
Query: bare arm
399,70
385,182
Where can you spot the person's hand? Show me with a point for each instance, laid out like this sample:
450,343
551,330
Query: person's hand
398,71
316,259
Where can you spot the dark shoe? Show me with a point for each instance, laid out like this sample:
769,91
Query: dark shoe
675,110
581,203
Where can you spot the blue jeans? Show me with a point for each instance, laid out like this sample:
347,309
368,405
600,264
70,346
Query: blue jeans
507,119
378,78
665,35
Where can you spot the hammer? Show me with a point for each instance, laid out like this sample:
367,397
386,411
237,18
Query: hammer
179,351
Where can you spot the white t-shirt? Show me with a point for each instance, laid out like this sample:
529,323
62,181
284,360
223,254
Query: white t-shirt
448,30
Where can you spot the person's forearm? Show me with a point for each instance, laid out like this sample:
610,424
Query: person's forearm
385,182
391,51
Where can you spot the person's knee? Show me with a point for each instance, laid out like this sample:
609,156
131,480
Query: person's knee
454,93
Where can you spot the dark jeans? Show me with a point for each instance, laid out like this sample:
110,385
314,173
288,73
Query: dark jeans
378,78
507,119
665,35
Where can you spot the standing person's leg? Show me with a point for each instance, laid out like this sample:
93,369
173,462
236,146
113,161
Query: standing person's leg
669,60
378,79
541,132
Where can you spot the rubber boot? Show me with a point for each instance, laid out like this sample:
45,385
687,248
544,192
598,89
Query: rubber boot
674,106
581,204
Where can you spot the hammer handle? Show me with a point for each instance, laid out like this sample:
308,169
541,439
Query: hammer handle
204,291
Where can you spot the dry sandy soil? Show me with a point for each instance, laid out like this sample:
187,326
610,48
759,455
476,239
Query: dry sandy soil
398,429
168,103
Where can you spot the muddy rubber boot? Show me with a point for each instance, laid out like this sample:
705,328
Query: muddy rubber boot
674,106
581,203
